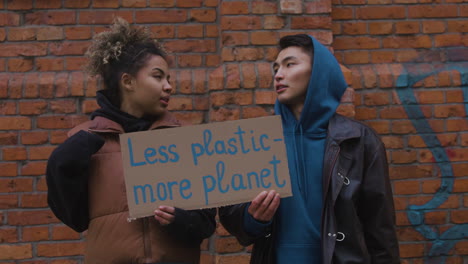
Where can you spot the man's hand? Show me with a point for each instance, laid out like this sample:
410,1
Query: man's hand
264,206
164,214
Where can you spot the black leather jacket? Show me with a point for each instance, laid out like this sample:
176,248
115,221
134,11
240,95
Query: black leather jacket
358,218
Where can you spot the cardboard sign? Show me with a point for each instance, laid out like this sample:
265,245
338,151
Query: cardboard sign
204,166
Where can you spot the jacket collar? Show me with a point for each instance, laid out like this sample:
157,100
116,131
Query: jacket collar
341,128
103,125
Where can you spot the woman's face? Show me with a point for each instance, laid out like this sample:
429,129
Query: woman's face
148,92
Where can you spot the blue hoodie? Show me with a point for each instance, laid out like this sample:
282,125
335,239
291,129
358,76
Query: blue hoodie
299,216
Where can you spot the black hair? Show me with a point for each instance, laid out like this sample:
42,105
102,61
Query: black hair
300,40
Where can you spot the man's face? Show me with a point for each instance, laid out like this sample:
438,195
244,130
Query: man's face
293,68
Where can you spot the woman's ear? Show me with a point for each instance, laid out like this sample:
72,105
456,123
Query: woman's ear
127,81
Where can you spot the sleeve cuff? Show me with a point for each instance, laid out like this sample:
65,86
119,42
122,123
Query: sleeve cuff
252,226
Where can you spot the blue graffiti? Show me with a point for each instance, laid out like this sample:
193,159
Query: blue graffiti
442,243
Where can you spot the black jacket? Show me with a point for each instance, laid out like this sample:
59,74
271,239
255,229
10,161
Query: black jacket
358,218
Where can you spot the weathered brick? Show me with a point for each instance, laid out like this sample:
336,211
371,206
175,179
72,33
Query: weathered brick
255,111
8,170
240,22
23,218
161,16
15,123
411,250
8,201
234,8
315,22
224,114
51,4
60,122
33,168
291,6
263,7
64,233
436,11
35,233
227,245
77,3
16,251
105,4
21,34
50,18
203,15
60,249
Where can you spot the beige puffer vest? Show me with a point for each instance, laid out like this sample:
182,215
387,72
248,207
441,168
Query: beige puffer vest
111,239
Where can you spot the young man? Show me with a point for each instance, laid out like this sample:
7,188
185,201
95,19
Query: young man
342,209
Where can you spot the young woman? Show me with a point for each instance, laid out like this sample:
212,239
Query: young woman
85,173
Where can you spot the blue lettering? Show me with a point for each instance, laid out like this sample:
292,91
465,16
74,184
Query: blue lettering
220,174
256,178
263,174
274,162
185,185
169,188
130,150
220,148
261,142
206,188
174,154
241,185
240,132
150,152
253,142
233,148
143,193
195,153
207,140
162,151
161,198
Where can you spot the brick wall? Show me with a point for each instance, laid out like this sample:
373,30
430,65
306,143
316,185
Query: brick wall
221,55
410,66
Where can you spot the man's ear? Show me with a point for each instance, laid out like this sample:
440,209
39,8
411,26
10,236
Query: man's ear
127,81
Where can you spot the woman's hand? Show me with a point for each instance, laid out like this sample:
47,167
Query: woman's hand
264,206
165,215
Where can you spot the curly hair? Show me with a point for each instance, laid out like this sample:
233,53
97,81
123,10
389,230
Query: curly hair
123,49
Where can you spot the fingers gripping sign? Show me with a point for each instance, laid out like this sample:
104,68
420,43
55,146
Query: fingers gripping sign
164,214
264,206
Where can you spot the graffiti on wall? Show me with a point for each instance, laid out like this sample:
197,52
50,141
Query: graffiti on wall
442,242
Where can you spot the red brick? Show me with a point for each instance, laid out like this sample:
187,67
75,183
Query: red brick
106,17
21,34
191,60
34,200
34,168
265,97
380,28
409,234
203,15
25,49
161,16
411,250
365,113
235,38
31,87
430,97
162,3
377,98
22,218
206,45
32,107
255,111
216,79
50,18
240,23
190,31
263,7
75,33
50,33
354,28
315,22
14,153
234,8
232,76
15,86
346,43
20,5
264,38
380,12
49,64
291,6
318,7
9,19
211,31
8,170
7,108
227,245
181,103
248,79
381,127
407,42
273,22
199,81
7,235
16,185
194,118
16,251
224,114
69,48
436,11
35,233
443,111
407,27
8,139
34,137
50,4
60,249
189,3
15,123
459,216
342,13
356,57
89,106
77,3
431,27
448,40
457,26
105,3
64,233
40,153
60,122
8,201
403,156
